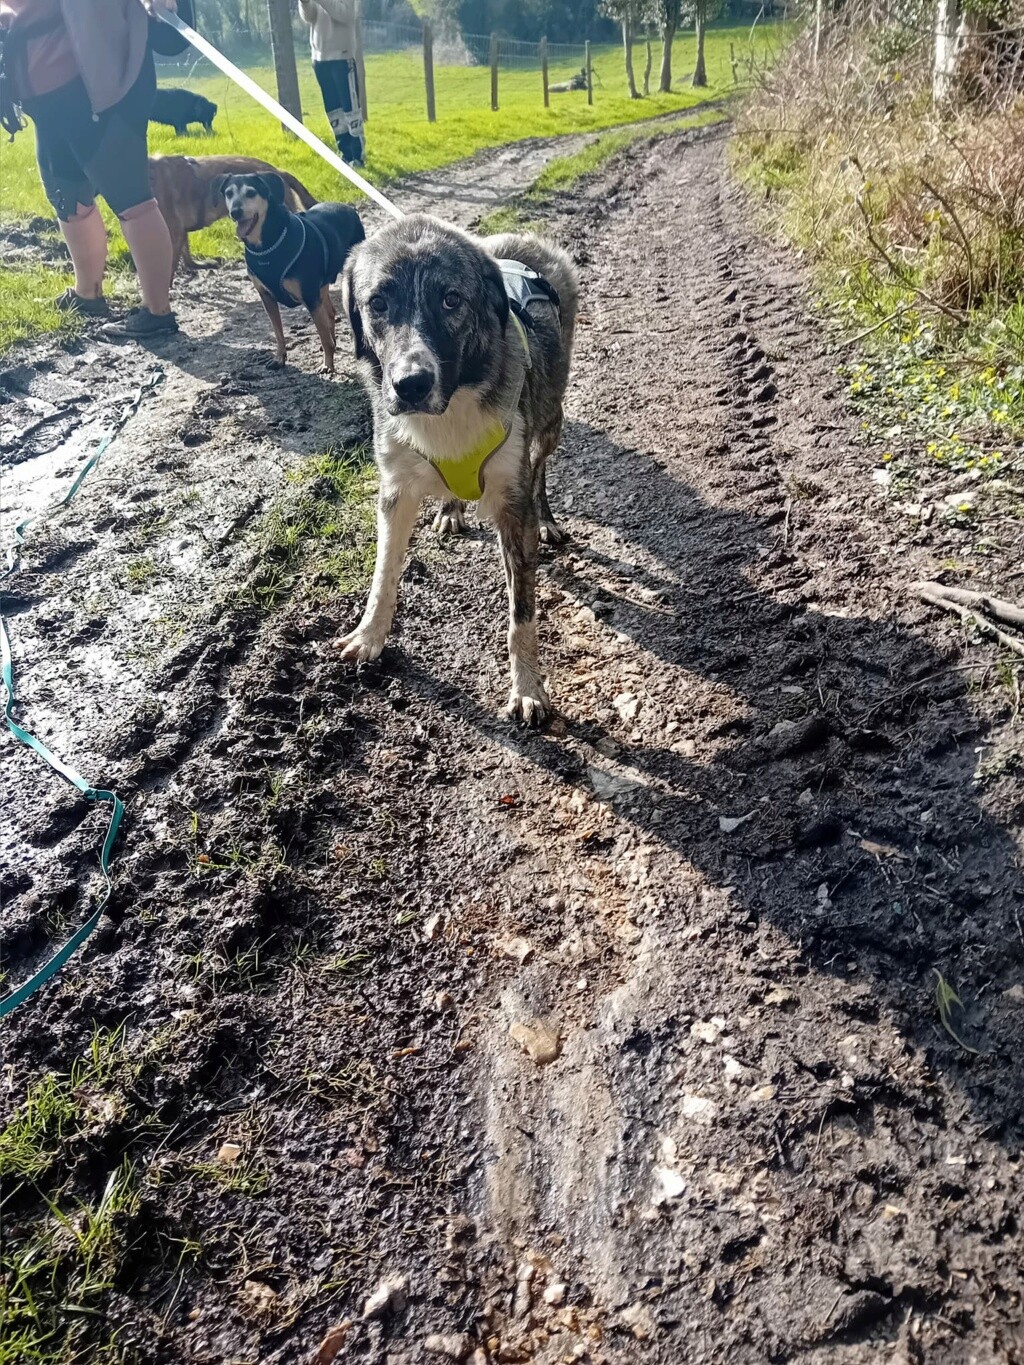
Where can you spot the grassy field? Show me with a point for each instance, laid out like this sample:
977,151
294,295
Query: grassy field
399,138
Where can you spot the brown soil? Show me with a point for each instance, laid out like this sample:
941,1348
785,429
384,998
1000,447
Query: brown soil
779,796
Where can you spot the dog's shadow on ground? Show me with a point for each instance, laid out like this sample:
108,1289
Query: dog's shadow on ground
299,402
840,736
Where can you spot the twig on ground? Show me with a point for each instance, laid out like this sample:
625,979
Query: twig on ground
934,593
996,607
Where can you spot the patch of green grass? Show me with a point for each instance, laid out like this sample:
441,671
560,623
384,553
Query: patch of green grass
321,526
58,1268
26,304
55,1108
400,141
566,172
941,394
140,572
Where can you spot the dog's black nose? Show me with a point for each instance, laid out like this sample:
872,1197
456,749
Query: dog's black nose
414,386
236,214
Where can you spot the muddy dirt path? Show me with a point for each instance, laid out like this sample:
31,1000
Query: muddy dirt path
777,797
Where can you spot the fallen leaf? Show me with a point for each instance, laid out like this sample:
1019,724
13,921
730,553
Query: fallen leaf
728,823
508,800
332,1343
882,850
538,1039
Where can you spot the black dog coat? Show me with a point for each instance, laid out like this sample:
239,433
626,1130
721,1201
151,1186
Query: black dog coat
303,252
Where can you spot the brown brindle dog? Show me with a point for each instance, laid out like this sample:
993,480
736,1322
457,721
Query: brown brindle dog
187,188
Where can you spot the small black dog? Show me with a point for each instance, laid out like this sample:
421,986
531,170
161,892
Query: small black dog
179,108
292,258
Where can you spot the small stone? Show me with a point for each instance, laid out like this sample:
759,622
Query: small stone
390,1296
555,1293
538,1039
444,1002
455,1346
708,1030
521,949
734,1070
698,1108
432,928
639,1319
1015,995
669,1184
229,1153
627,705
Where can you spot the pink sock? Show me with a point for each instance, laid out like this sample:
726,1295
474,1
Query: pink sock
150,244
87,241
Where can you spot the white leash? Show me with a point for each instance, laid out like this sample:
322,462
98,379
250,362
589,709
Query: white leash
271,105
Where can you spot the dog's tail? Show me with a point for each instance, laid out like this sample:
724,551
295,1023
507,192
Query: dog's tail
303,198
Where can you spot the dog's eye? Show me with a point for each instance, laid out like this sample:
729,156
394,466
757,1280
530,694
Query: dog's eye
452,299
378,304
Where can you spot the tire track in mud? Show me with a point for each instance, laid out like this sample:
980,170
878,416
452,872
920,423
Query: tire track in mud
756,1142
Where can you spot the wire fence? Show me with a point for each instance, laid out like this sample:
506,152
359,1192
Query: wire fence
413,70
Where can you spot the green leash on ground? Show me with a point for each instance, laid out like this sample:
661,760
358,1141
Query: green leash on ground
91,793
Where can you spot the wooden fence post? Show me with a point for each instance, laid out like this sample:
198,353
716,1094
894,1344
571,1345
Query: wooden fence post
283,44
590,76
544,70
428,69
494,71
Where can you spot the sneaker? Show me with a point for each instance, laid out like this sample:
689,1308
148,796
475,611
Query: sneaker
140,324
70,302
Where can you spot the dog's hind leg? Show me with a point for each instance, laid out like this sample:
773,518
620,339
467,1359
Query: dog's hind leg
544,446
517,528
451,518
396,518
274,314
326,320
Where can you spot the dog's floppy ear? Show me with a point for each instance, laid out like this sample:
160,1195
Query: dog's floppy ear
274,187
348,299
217,187
494,284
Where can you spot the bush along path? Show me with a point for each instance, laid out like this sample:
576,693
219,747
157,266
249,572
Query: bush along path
686,1030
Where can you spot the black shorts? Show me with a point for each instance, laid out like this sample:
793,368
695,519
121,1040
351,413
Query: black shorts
82,154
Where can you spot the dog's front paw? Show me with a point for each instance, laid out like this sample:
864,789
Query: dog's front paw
530,705
551,533
450,519
276,362
361,647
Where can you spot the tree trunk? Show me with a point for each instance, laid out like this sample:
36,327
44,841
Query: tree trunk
283,44
627,43
648,65
700,14
668,34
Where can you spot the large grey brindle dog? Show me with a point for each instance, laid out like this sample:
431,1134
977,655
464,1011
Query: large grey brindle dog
463,345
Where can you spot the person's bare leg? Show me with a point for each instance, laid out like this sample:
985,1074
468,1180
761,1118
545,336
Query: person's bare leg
86,238
150,244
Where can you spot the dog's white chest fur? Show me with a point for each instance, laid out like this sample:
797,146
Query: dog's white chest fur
412,440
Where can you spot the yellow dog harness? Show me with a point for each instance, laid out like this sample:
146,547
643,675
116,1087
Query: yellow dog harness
463,476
